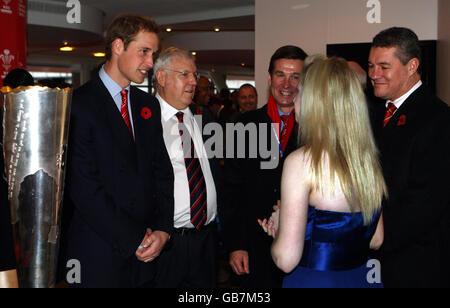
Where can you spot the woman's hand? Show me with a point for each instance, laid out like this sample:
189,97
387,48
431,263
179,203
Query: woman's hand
271,226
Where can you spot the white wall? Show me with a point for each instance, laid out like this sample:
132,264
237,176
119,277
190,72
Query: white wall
312,24
443,52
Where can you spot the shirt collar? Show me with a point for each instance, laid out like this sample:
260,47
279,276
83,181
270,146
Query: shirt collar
168,111
399,101
112,86
281,113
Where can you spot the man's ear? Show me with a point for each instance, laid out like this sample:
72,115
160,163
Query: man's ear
413,66
117,46
269,79
161,77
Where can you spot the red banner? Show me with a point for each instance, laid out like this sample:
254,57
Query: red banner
13,44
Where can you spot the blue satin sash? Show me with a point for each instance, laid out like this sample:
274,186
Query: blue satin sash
336,241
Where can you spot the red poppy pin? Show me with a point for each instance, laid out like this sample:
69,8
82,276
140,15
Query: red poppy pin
199,110
401,120
146,113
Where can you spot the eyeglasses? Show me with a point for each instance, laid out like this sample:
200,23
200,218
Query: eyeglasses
186,74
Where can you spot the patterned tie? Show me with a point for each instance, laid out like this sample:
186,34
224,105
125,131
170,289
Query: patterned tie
389,113
124,110
197,186
283,135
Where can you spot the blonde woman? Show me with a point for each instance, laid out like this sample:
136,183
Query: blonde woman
331,188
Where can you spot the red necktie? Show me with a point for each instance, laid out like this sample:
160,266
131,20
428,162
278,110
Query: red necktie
124,110
389,113
197,186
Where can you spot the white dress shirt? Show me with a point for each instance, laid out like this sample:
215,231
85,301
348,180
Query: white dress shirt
399,101
172,139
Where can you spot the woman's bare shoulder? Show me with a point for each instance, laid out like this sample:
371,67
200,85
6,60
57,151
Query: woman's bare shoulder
300,157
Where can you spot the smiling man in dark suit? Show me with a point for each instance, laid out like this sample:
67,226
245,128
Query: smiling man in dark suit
119,178
414,141
251,189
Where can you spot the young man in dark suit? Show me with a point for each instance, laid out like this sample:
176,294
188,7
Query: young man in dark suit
190,259
119,183
253,184
414,141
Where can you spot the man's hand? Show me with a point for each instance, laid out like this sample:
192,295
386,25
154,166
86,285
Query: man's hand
239,262
151,245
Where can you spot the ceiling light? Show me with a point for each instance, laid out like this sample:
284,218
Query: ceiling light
168,29
194,53
99,54
66,48
216,29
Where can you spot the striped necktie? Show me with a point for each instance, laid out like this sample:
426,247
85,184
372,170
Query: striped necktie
197,186
389,113
124,110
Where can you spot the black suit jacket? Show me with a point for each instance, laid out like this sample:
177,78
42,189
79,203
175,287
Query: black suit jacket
415,157
115,187
250,194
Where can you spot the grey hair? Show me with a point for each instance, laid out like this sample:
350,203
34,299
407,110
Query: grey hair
165,59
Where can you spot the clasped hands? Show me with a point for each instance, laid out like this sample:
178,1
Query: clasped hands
152,245
270,226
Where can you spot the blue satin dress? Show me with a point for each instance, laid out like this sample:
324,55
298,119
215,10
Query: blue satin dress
335,253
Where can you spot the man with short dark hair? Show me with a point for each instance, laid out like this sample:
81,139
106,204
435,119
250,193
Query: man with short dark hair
247,98
119,182
414,141
251,191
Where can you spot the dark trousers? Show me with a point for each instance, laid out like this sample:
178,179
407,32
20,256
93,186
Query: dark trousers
189,260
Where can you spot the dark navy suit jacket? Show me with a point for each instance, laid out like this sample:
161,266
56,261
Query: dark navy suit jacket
115,187
415,157
250,193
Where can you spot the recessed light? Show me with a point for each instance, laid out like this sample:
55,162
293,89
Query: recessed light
216,29
168,29
194,53
99,54
66,48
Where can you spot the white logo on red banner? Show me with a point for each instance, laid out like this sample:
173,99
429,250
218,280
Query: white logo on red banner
6,58
5,7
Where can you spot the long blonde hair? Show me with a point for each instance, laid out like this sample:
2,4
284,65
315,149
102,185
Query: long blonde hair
334,123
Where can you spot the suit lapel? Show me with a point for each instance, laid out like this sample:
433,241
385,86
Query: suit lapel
139,127
197,112
407,112
117,126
